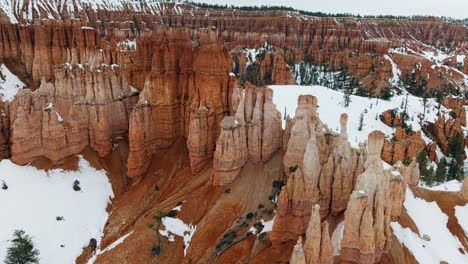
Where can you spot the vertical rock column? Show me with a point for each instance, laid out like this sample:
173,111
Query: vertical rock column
367,218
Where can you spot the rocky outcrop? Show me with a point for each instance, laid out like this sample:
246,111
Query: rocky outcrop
464,190
339,173
318,247
444,129
60,119
391,118
298,255
303,123
4,130
184,95
457,105
321,168
403,146
411,173
254,134
370,208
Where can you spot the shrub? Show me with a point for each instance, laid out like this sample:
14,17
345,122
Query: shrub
279,184
4,186
249,216
22,251
259,226
453,114
76,186
227,240
293,168
386,94
172,213
156,250
93,244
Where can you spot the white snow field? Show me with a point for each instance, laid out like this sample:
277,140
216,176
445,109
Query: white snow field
10,84
176,227
461,212
35,198
450,186
439,243
331,106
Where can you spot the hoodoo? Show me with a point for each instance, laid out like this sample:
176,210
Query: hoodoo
179,132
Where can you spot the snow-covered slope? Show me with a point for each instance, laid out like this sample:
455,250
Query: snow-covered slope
331,105
10,84
36,200
435,242
29,10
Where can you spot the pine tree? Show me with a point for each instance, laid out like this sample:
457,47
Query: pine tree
361,122
456,149
441,172
423,160
22,251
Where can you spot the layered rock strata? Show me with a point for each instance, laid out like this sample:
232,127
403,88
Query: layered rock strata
83,107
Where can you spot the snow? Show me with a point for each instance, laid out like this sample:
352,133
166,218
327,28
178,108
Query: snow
331,106
431,222
127,44
35,198
175,226
450,186
461,59
395,80
267,226
337,236
108,248
461,212
10,84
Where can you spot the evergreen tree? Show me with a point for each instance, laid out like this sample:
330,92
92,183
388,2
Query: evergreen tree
22,251
441,172
456,150
361,122
422,160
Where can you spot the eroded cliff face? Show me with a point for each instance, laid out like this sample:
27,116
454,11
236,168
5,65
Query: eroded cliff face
185,95
182,71
84,107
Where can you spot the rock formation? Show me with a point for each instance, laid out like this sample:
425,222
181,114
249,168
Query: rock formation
254,134
318,247
325,172
339,173
444,129
60,119
403,146
298,256
367,218
464,190
457,105
304,121
391,118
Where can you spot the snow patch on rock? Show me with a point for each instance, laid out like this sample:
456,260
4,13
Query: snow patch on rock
10,84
